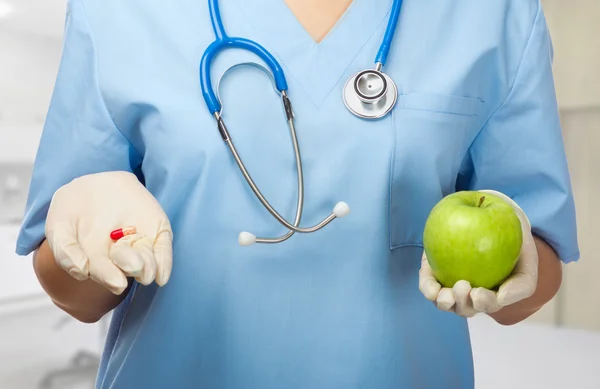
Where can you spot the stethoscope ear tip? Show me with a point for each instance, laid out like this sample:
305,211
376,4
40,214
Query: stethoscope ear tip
341,209
246,239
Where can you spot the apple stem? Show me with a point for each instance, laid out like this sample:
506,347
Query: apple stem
481,200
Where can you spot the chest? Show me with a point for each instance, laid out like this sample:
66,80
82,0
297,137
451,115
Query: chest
152,83
446,79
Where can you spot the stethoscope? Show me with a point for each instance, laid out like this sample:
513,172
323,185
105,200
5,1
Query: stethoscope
369,94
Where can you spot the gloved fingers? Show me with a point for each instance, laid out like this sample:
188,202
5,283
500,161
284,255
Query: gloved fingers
144,248
428,284
461,292
144,259
445,300
125,257
67,252
163,254
523,282
518,287
106,273
73,260
484,300
528,259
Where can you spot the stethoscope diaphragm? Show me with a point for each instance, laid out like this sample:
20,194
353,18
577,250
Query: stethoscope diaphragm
370,94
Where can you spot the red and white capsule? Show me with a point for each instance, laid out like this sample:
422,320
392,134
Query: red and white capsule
121,232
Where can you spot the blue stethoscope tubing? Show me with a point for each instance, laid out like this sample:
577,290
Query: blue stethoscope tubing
222,42
388,37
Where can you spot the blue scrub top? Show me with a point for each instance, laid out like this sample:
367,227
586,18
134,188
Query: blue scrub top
339,308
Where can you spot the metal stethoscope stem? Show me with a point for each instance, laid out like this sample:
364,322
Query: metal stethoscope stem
245,238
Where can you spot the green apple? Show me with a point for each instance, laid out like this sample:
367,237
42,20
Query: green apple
472,236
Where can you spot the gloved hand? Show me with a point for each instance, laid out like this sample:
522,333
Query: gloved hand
84,212
466,301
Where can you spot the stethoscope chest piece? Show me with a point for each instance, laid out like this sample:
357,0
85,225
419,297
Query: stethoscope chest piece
370,94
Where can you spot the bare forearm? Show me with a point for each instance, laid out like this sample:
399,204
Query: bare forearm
549,281
86,301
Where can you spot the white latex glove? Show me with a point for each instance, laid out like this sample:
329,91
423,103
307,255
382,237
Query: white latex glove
81,217
466,301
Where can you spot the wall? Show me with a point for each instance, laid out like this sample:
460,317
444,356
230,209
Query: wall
580,301
575,34
27,76
30,49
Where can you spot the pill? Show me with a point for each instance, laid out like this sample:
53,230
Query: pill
121,232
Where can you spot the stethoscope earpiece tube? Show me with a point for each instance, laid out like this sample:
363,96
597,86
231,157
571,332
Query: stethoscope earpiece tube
246,238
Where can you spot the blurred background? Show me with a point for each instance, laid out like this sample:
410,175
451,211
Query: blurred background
40,347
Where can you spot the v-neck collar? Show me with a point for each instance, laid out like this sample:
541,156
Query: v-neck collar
315,67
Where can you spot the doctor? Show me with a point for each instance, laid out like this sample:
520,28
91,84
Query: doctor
459,96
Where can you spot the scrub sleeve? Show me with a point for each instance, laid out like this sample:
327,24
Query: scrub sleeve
520,151
79,136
